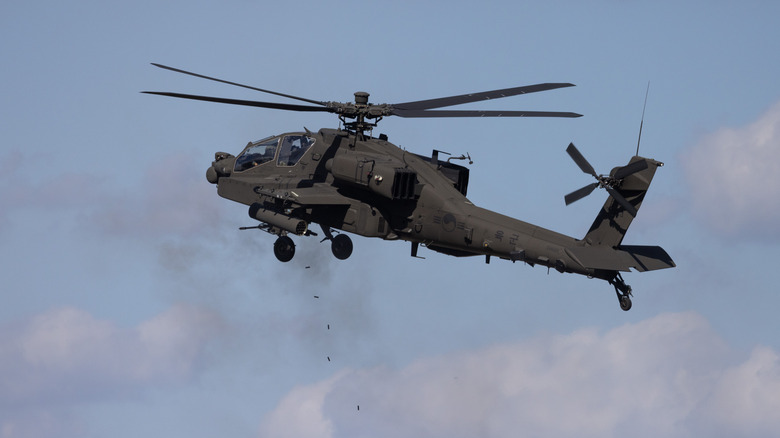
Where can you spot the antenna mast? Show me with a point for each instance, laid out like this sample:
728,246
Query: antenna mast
643,119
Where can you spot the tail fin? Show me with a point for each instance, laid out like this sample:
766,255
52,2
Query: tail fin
613,220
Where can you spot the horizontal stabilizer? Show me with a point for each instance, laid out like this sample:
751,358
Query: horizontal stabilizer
624,258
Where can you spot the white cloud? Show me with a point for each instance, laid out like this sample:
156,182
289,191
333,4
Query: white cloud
172,342
667,376
746,399
66,355
301,413
735,178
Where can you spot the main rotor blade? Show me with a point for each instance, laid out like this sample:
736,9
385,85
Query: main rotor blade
581,193
479,113
475,97
281,106
630,169
239,85
580,160
630,209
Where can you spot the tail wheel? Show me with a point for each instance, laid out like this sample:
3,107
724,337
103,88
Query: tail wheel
284,249
625,302
341,246
622,290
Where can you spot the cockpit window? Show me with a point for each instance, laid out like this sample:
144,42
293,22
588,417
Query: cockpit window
256,154
292,149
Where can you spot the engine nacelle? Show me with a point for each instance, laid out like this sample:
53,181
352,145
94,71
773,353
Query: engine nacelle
387,178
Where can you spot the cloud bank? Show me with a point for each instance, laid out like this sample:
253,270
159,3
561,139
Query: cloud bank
66,357
735,178
667,376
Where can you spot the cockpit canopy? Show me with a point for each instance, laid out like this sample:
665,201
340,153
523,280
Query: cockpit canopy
285,150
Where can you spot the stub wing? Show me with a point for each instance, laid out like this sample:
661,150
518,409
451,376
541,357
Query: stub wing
318,194
624,258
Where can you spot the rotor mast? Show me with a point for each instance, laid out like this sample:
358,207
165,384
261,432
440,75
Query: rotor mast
362,110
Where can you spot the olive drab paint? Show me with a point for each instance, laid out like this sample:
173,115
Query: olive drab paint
347,180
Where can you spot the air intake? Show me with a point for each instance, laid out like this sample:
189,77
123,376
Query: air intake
404,184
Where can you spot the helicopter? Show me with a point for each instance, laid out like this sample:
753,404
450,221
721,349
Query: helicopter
347,181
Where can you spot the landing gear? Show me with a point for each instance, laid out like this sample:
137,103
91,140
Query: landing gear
340,245
623,291
625,302
284,249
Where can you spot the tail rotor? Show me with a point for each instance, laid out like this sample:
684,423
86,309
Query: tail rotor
609,182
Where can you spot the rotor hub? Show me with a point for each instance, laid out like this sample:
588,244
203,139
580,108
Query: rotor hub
361,98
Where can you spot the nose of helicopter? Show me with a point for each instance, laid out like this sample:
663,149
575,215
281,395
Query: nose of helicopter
211,175
222,166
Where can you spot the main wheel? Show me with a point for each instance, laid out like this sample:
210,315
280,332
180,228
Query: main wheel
341,245
625,303
284,249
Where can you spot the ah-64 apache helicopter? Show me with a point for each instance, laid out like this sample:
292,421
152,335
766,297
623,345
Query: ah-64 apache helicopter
347,180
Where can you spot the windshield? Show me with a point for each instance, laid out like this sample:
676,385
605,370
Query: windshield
256,154
292,149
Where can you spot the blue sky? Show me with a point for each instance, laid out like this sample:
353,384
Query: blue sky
133,306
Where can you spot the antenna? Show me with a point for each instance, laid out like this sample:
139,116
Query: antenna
643,119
